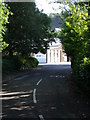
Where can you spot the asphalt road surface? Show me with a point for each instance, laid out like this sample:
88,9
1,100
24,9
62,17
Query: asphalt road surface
43,93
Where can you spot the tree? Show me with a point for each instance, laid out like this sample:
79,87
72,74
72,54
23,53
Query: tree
27,29
74,37
74,32
4,13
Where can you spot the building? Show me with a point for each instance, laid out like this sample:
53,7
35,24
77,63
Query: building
40,57
55,54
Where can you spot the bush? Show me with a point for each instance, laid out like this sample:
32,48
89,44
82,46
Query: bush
11,63
81,69
31,62
84,73
18,62
7,65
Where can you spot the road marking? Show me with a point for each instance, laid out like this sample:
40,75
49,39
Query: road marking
34,96
39,82
41,117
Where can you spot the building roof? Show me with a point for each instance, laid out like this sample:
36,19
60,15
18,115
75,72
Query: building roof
56,21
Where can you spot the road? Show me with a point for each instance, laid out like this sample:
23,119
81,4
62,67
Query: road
43,93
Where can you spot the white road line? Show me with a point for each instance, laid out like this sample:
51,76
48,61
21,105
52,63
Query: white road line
39,82
34,96
41,117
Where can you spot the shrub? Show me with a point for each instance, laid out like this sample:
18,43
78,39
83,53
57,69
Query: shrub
18,62
11,63
81,69
84,73
32,62
7,65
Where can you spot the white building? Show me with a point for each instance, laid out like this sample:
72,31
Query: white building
55,54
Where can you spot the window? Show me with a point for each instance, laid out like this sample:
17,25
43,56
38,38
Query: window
38,55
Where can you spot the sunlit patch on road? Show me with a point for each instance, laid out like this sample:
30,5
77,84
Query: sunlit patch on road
53,108
14,95
16,102
41,117
19,78
21,108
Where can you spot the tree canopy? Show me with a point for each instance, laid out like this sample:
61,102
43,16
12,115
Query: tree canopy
27,29
75,31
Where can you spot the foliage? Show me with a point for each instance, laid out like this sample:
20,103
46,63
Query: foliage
4,13
27,32
74,37
31,62
74,31
82,74
27,29
16,62
10,64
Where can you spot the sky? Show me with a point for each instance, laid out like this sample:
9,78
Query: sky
48,6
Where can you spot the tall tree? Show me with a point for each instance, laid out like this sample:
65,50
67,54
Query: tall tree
27,29
75,31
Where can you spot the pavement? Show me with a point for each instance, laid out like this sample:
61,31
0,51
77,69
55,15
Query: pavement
44,93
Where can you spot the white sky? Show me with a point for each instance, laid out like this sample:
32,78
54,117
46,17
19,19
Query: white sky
47,6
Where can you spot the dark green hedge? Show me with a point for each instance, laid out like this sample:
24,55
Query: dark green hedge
81,70
18,62
84,73
11,63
